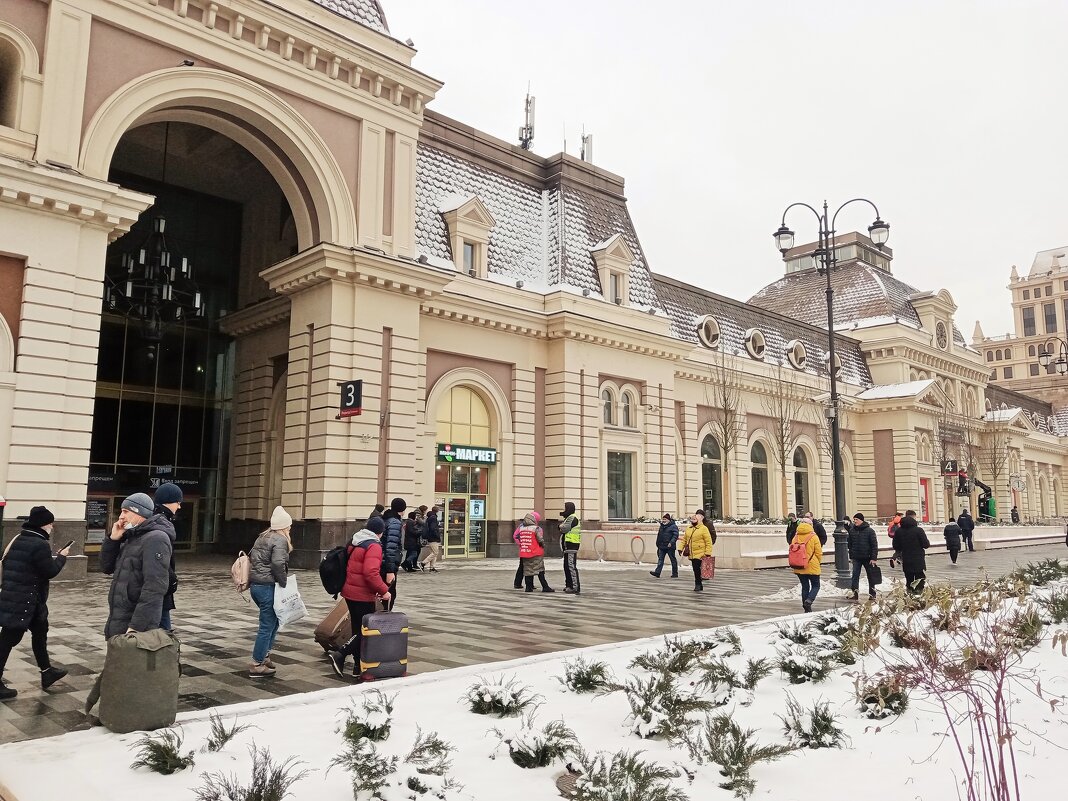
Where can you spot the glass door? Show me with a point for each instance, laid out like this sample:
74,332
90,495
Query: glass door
620,485
455,525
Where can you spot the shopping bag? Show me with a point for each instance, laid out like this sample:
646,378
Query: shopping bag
708,567
288,605
876,576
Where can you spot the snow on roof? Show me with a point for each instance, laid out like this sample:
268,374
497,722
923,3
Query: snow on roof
1049,261
366,12
453,202
1002,415
906,390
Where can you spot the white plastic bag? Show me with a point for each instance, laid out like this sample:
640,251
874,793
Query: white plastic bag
288,605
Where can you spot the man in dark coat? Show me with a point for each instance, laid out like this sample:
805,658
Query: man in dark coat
952,534
392,545
791,527
168,499
911,543
28,566
138,553
414,537
863,547
817,527
666,537
967,526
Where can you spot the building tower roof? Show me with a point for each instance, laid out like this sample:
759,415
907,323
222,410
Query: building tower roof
366,12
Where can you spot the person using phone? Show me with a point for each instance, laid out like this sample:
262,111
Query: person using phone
28,566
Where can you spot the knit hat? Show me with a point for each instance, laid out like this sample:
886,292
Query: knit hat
168,493
569,509
398,505
858,516
803,528
280,519
40,517
376,525
139,503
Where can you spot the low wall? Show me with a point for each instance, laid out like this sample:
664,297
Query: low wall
750,547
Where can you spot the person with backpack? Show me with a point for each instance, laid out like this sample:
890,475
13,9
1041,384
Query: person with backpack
28,566
168,500
666,538
531,541
863,545
268,566
363,588
430,555
696,544
414,539
806,560
951,533
967,526
911,543
392,545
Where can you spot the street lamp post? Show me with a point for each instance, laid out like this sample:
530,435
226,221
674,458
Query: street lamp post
826,262
1060,364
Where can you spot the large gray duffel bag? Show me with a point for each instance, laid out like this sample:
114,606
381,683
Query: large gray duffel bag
138,687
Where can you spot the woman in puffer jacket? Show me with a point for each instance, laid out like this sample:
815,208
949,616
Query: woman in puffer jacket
268,566
695,545
364,586
809,575
531,541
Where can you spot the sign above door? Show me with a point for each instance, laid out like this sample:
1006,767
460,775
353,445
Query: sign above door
466,454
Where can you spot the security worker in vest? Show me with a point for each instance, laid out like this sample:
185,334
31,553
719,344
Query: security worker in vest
570,538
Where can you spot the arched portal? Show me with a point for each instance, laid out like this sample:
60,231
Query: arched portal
711,477
758,456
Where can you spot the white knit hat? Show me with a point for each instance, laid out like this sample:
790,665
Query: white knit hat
280,519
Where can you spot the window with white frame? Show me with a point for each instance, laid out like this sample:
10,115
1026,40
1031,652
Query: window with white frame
755,343
796,354
608,406
708,331
627,410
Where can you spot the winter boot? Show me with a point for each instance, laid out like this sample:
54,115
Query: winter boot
806,605
7,693
50,676
337,661
529,582
854,596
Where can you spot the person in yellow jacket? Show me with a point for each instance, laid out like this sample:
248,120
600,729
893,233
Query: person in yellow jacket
696,542
809,575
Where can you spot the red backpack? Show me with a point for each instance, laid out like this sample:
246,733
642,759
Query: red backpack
798,554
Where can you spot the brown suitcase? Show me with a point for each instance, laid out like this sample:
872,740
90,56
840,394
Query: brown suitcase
336,628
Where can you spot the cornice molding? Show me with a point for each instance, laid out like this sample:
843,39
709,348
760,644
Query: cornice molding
262,315
327,262
63,192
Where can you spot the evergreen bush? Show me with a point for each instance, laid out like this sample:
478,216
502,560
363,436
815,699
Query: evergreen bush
161,752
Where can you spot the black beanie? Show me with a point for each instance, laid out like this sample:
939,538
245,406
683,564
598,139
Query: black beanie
376,525
398,505
40,517
858,516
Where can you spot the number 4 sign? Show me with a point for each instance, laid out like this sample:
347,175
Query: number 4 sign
351,399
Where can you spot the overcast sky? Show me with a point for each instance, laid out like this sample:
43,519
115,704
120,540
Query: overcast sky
950,114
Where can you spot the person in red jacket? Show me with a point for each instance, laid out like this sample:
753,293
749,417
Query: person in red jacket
531,541
363,588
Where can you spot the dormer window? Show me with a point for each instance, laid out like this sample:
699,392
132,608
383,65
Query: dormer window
708,331
469,223
613,259
838,366
796,354
755,344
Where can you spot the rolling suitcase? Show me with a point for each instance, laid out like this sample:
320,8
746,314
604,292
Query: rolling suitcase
336,628
384,646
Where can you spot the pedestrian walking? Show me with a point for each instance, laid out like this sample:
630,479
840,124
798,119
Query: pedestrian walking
137,554
531,540
791,527
952,535
430,554
392,545
1014,515
911,543
967,526
168,500
363,588
895,523
817,527
28,566
377,511
518,582
696,544
413,541
807,567
863,547
570,540
268,566
666,538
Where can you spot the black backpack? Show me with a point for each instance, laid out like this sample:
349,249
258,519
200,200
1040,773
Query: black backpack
333,568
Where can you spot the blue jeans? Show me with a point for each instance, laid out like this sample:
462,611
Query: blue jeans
810,587
263,595
165,620
660,554
868,571
411,558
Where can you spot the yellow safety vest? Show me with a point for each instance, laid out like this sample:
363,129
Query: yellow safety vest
575,534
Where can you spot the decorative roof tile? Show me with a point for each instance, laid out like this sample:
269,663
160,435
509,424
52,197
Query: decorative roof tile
686,304
366,12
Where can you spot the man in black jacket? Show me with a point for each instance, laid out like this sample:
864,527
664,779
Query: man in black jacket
863,551
392,545
168,498
28,567
817,526
138,553
967,526
911,543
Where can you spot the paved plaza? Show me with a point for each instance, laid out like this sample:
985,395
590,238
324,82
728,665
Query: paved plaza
467,613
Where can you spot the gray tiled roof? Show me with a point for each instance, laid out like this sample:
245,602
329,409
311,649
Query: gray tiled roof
542,236
685,304
365,12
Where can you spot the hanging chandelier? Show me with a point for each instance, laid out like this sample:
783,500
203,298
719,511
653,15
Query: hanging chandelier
154,285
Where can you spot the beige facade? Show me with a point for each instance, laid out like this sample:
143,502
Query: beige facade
489,299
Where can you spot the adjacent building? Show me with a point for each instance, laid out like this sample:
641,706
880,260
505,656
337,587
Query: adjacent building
206,242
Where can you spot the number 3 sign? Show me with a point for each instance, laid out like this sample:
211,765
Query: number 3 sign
351,399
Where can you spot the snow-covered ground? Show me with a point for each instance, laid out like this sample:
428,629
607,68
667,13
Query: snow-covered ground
897,757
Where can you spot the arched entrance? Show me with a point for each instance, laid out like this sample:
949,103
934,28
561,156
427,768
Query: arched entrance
758,456
802,497
165,385
711,477
464,468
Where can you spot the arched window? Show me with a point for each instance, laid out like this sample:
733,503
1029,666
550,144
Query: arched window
711,476
997,355
801,485
759,480
10,79
1008,353
608,407
1031,350
990,355
627,410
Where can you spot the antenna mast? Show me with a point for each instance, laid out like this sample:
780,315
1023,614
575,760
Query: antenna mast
526,132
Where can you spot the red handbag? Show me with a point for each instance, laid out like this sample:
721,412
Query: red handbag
708,567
